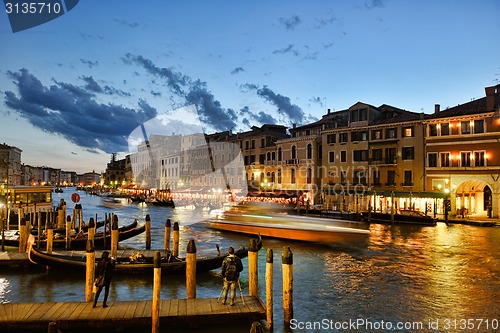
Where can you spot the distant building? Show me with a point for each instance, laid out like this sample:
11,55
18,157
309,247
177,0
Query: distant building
10,165
89,179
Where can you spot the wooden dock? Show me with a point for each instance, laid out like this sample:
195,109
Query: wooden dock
13,259
127,314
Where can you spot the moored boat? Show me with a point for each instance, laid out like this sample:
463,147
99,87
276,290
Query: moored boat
79,241
293,227
132,263
401,216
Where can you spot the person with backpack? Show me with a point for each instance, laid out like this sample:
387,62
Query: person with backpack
231,268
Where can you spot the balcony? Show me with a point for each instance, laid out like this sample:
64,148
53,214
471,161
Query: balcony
292,161
407,184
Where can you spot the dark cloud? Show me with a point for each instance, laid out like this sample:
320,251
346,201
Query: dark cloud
330,18
288,49
293,112
261,117
290,23
89,63
237,70
191,91
70,111
92,85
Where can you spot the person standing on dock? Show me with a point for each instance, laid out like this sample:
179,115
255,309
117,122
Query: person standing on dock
104,269
231,268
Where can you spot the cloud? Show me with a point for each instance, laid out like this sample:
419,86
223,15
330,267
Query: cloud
288,49
190,91
93,86
293,112
290,23
89,63
261,117
72,112
374,4
128,24
237,70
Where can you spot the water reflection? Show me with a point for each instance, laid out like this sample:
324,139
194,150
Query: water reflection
404,273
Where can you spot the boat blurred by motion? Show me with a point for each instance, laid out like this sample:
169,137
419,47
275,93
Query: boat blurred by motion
270,222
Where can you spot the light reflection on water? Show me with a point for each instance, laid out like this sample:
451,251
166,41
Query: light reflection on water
404,273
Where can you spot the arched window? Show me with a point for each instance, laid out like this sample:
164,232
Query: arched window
279,154
309,151
294,152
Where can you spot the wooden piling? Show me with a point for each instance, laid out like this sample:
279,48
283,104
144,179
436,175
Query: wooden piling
68,233
91,230
175,249
90,272
287,269
256,328
155,311
148,232
114,236
50,236
253,276
191,270
23,235
166,238
269,289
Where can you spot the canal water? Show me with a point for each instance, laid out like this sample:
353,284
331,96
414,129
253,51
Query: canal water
404,279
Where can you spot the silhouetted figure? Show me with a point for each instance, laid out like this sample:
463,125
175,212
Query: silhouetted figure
105,268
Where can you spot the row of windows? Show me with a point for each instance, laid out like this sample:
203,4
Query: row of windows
464,159
407,153
377,134
463,127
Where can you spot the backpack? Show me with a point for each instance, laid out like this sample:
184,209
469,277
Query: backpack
231,273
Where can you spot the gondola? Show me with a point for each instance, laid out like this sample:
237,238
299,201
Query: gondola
130,265
402,216
80,243
85,228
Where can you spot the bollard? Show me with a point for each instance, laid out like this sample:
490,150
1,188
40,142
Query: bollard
23,235
253,276
175,249
89,274
68,233
50,236
52,328
269,289
91,230
166,238
155,311
287,270
191,270
148,232
114,236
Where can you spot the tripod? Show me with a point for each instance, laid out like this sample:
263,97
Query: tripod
240,289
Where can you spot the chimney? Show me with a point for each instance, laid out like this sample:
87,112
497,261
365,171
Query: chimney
437,108
328,111
294,125
490,97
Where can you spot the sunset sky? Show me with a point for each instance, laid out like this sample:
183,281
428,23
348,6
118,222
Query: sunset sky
73,89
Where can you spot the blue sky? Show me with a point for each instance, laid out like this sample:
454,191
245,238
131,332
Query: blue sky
74,88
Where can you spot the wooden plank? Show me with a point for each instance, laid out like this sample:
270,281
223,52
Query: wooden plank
139,309
130,310
147,309
174,308
164,307
3,312
192,306
204,307
65,311
182,307
86,314
41,310
80,307
48,315
27,309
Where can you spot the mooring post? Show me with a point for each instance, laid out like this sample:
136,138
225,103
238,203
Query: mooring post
166,238
175,249
89,274
287,269
50,236
191,270
155,311
91,230
68,233
52,328
253,277
269,289
256,328
80,215
23,235
148,232
73,220
114,236
39,236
